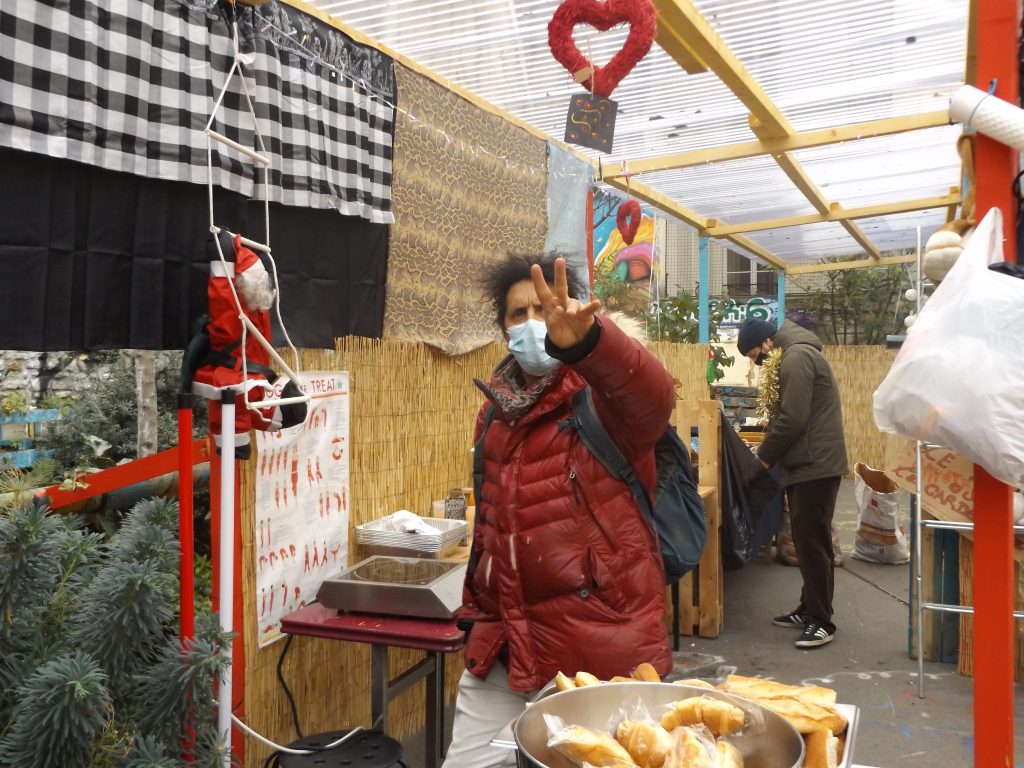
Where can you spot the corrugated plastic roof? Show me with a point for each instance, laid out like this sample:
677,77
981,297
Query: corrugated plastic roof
824,63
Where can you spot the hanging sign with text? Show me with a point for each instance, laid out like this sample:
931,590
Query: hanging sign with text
302,497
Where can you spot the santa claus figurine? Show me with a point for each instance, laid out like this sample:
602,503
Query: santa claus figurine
213,361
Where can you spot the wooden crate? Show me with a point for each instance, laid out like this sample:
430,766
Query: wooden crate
701,591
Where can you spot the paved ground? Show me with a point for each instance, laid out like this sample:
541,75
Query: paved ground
867,664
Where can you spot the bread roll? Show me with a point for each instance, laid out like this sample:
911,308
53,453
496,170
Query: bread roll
720,717
821,750
564,683
694,682
759,688
646,673
646,742
806,716
585,678
586,746
728,755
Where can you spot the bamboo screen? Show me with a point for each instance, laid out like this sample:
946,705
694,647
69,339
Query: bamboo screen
858,371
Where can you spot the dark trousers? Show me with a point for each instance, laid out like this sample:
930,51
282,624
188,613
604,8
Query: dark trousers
811,507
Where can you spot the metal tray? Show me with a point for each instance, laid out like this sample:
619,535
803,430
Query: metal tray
376,541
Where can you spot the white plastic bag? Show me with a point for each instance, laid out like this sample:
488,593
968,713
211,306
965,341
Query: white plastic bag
879,536
958,380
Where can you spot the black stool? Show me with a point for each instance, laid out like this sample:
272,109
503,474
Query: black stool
367,749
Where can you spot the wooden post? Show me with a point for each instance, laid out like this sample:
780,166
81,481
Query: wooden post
995,168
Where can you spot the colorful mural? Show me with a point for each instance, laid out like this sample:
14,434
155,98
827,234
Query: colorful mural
634,263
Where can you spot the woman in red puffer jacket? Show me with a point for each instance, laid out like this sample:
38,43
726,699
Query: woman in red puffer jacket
566,571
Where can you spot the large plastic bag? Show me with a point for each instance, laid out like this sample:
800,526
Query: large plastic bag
958,380
880,539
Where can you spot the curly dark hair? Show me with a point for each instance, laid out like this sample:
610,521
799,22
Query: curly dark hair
514,268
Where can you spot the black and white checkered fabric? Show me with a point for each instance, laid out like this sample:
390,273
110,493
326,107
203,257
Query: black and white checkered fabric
129,85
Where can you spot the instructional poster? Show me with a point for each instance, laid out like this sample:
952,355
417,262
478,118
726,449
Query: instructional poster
302,495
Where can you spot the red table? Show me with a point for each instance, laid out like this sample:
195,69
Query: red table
433,637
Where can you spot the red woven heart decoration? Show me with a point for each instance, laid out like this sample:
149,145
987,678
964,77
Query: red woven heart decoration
628,220
642,20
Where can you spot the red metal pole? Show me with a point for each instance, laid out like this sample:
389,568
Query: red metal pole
995,169
186,536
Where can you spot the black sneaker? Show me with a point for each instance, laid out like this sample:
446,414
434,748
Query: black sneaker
814,635
793,619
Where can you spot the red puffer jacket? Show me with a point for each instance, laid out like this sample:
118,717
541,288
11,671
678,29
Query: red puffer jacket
568,572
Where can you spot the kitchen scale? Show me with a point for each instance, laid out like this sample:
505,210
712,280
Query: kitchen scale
398,586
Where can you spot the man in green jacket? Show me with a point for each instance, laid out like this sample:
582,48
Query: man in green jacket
805,440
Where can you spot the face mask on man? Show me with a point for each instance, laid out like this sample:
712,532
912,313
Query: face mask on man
526,343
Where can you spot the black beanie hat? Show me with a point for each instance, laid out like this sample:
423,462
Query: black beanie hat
753,332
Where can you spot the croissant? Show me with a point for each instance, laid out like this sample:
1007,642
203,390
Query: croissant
688,752
564,683
585,678
647,743
695,682
720,717
728,755
646,673
586,746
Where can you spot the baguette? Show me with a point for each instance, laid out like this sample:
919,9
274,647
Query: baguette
806,716
759,688
821,750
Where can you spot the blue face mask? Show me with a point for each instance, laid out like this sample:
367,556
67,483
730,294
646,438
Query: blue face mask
526,343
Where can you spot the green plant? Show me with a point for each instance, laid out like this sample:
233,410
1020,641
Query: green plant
859,306
15,402
92,673
101,429
675,319
63,403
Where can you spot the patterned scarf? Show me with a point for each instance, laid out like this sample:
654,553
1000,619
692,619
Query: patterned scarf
507,388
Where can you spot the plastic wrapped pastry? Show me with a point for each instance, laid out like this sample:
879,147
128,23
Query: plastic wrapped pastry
720,717
729,756
586,746
690,751
646,742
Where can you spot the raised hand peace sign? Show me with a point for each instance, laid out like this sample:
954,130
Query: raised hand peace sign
568,320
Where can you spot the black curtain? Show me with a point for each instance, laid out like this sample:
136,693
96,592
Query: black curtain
94,259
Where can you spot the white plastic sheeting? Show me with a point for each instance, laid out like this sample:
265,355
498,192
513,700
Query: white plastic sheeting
823,62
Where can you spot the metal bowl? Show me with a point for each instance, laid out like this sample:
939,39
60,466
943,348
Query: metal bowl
777,745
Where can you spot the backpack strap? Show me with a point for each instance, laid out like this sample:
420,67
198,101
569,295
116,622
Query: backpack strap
597,440
478,477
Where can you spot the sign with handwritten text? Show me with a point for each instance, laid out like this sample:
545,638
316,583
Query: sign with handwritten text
302,497
947,481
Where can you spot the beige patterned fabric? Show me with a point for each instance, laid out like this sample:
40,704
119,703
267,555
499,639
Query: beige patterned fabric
459,202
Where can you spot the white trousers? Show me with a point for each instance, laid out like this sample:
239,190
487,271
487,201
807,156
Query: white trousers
483,708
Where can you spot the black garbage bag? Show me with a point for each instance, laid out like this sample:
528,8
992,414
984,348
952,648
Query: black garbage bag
751,501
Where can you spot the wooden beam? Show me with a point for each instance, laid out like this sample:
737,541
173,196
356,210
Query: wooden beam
806,140
759,251
766,120
971,62
884,261
837,213
679,20
677,48
796,173
661,201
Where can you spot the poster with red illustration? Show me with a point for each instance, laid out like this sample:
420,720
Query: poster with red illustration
302,498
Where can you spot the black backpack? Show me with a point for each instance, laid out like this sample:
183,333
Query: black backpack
677,514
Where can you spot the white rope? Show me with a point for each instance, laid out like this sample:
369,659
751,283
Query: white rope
236,66
291,750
